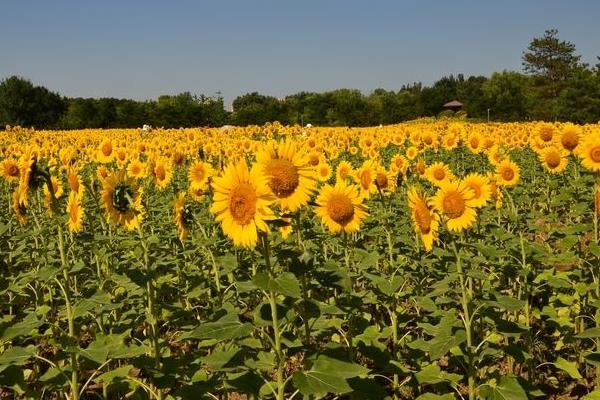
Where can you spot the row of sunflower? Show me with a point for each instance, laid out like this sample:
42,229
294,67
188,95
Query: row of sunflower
388,257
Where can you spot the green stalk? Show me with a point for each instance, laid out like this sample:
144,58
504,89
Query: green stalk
70,317
151,309
465,300
276,329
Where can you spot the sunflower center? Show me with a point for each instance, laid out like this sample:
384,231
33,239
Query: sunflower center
546,134
423,218
283,177
160,172
454,204
595,154
13,170
474,142
428,140
552,160
365,179
74,183
242,203
569,140
73,211
340,209
508,174
136,169
476,190
313,160
199,174
381,180
107,149
439,174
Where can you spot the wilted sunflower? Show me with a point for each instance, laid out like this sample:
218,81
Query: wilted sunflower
122,200
425,219
198,174
75,212
454,201
438,173
289,175
480,185
554,159
241,203
507,173
183,216
340,207
589,151
9,170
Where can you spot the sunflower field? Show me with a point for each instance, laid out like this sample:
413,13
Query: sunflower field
434,259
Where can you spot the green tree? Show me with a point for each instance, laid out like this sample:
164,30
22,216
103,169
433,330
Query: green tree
22,103
505,94
551,62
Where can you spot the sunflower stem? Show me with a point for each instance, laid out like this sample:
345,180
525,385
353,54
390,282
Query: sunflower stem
70,317
465,300
151,309
275,319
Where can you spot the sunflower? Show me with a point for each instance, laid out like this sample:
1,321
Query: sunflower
340,207
365,177
196,193
475,143
385,180
569,137
75,212
496,193
554,159
198,174
183,216
507,173
438,173
289,175
58,192
241,203
343,170
9,170
19,206
399,164
323,172
105,153
425,219
75,182
412,152
137,169
589,151
480,185
162,172
454,201
122,200
449,141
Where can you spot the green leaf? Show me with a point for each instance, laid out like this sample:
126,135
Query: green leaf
595,395
589,333
432,374
227,328
328,375
286,284
120,373
22,328
507,389
433,396
568,366
16,355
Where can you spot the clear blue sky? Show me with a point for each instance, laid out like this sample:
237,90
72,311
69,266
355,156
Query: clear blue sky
141,49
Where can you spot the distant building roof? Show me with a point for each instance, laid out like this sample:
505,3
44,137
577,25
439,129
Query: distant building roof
453,104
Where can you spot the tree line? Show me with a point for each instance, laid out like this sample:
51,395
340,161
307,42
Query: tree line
553,86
